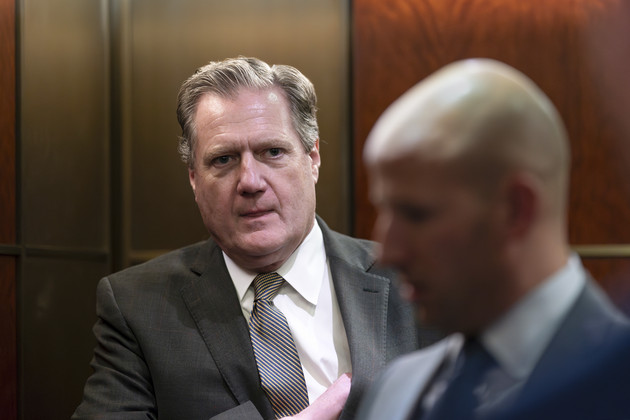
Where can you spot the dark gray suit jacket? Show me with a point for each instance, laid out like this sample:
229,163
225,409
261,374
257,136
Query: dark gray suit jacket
172,340
583,374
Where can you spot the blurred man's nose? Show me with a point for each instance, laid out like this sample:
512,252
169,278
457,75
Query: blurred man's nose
388,234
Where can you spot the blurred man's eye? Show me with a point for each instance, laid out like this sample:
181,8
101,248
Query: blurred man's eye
415,214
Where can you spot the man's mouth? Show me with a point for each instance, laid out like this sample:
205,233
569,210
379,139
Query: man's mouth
255,213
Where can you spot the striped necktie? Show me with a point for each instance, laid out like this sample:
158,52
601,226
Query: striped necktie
277,358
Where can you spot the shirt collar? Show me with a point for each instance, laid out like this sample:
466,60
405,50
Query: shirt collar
518,339
304,270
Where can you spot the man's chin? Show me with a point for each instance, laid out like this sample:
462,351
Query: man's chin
260,244
260,258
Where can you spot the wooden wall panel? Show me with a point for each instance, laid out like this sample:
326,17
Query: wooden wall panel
8,349
7,122
399,42
612,274
565,46
8,335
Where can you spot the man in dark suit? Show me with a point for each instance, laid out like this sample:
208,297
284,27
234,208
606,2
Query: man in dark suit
469,172
198,333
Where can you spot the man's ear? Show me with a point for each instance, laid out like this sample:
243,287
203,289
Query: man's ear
192,180
316,160
522,203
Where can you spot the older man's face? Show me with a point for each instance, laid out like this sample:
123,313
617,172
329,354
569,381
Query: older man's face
253,181
442,237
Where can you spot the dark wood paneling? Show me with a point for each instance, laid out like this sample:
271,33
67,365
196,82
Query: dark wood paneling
398,42
7,122
56,311
612,274
8,349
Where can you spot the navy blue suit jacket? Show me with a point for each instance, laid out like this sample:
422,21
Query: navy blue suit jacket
584,372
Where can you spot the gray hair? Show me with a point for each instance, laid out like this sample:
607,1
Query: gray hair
226,77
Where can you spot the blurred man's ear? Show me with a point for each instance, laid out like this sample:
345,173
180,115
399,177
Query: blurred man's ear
522,196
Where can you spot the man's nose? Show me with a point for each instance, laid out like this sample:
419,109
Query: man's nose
251,176
388,234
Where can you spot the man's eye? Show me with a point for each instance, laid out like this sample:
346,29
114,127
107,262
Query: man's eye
275,151
222,160
415,214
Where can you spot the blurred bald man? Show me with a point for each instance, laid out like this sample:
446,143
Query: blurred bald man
469,172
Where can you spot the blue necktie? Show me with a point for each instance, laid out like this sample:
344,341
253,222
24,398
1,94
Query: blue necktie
461,399
277,358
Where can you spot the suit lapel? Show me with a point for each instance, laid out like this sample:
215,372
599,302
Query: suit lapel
363,304
213,304
363,301
417,373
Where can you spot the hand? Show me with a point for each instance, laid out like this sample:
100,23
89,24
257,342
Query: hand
329,405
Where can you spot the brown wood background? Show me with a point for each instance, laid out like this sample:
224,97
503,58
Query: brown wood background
8,344
396,43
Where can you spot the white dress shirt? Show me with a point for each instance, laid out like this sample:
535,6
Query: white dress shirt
519,338
309,303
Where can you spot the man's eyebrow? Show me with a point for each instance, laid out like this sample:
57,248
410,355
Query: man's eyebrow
275,142
219,150
231,149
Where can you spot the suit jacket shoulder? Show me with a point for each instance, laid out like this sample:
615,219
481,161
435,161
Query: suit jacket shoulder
171,335
584,372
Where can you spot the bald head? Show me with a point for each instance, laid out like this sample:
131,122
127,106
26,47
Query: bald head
468,171
481,114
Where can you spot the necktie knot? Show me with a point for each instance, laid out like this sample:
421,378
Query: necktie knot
267,285
466,387
476,357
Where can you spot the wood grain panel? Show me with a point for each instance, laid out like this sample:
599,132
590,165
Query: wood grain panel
8,332
612,274
8,348
399,42
7,122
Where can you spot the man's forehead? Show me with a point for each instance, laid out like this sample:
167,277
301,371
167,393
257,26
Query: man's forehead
410,170
248,103
393,186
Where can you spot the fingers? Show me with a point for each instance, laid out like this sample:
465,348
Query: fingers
329,405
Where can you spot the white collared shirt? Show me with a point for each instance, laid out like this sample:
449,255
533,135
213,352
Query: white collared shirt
309,303
519,338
